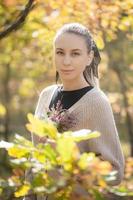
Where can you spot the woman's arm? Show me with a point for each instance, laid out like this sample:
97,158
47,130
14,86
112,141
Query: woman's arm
108,144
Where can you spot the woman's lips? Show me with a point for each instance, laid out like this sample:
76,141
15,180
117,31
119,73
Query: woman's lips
66,71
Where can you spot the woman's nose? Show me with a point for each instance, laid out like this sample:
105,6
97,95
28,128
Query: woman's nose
67,60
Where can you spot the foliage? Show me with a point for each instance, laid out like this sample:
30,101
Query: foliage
126,187
57,170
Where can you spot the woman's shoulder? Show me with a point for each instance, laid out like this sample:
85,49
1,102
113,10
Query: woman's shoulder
98,102
48,90
98,97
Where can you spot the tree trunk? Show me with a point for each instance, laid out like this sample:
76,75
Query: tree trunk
7,101
118,65
128,117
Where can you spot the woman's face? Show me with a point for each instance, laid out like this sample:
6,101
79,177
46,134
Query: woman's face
71,56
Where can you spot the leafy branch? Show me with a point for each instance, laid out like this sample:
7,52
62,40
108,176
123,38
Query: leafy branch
21,18
54,170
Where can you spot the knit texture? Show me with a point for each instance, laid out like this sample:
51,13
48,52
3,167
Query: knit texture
93,111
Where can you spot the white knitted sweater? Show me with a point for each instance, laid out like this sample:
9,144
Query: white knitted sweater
93,112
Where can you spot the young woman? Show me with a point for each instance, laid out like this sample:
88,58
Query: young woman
76,59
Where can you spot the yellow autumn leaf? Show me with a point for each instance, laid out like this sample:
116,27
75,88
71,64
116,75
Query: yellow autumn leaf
41,127
68,166
99,41
104,167
102,183
83,161
2,110
22,191
39,156
17,151
66,148
1,190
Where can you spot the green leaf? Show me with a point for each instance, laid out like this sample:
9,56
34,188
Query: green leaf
50,153
121,191
97,195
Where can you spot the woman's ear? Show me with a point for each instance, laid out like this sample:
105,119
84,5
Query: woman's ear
91,56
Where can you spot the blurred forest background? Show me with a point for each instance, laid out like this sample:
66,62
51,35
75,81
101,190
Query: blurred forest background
27,29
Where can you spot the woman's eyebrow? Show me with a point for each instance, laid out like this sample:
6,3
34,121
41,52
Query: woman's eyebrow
76,49
72,49
59,49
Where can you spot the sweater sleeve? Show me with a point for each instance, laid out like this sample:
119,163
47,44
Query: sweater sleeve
44,101
108,144
41,104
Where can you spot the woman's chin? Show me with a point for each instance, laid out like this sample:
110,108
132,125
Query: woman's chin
67,76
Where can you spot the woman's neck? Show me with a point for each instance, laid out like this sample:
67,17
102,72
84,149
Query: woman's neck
74,85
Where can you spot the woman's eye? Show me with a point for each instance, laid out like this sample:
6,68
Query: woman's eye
59,52
75,54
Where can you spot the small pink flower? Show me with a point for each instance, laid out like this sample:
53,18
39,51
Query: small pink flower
63,119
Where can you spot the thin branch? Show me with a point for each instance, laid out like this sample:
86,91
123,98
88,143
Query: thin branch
22,17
